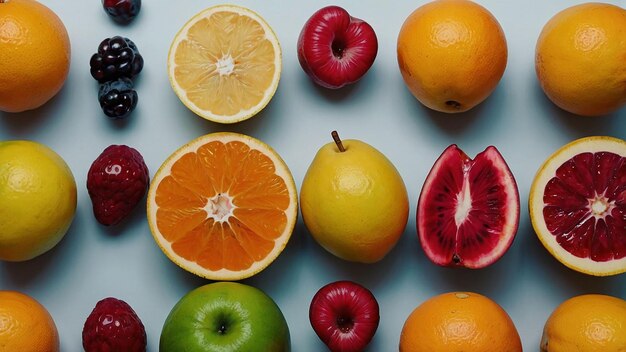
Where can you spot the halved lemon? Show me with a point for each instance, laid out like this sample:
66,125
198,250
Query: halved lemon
225,63
577,205
223,206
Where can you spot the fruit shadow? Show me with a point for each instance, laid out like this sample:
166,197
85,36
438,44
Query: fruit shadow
23,124
339,95
252,126
560,280
40,269
613,124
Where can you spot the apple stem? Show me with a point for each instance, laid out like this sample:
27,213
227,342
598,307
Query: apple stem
336,138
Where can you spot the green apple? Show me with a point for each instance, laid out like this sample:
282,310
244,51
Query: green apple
225,316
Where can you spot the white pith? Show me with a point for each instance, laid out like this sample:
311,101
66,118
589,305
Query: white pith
225,65
463,203
220,207
281,170
269,35
535,203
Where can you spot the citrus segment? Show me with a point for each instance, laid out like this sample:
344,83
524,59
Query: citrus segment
223,206
578,205
225,63
468,210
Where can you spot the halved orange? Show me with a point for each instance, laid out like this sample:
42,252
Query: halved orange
223,206
224,63
577,205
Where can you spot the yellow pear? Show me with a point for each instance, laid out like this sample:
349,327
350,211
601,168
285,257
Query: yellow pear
353,201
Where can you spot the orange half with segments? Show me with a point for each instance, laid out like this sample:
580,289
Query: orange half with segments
223,206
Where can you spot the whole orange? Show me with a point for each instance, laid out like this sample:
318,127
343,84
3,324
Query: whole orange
580,59
459,321
34,55
452,54
589,323
25,325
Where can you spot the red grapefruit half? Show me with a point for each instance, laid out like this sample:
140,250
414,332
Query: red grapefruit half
577,205
468,210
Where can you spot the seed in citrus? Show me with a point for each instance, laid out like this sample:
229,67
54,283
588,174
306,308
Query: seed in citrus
579,59
223,206
34,52
459,321
26,325
37,199
225,63
589,323
452,54
577,205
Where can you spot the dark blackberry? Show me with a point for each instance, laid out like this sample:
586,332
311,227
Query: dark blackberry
118,98
116,57
122,11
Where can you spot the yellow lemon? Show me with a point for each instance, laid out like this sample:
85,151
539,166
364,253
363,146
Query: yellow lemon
37,199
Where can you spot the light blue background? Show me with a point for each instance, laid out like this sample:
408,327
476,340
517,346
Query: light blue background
94,262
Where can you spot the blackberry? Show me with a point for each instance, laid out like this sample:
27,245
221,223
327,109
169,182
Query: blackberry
116,57
117,98
122,11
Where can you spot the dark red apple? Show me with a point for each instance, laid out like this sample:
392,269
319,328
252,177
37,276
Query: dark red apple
335,48
345,316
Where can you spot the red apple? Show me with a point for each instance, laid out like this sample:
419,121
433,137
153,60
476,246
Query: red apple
344,315
335,48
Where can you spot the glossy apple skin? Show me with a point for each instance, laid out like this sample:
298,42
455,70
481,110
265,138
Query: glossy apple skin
225,316
345,316
336,49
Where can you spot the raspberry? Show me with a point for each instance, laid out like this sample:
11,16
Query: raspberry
118,98
116,57
113,326
122,11
116,182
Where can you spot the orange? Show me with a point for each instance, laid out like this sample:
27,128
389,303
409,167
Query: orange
223,206
452,54
225,63
579,59
34,52
459,321
587,323
26,325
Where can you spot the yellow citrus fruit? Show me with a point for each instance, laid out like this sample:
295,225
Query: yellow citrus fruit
223,206
577,203
354,202
34,55
452,54
459,321
587,323
26,325
37,199
225,63
579,59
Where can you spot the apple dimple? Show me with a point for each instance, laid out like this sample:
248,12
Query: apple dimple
336,49
345,316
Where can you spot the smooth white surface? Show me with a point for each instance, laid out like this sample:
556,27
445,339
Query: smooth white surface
94,262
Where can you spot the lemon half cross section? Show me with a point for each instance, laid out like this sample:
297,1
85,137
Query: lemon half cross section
225,64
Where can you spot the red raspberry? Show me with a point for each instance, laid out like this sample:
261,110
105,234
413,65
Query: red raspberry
113,326
117,181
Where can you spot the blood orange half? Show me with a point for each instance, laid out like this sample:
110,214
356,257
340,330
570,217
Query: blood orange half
468,210
223,206
577,205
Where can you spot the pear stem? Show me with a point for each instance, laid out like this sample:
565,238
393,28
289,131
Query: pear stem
336,138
